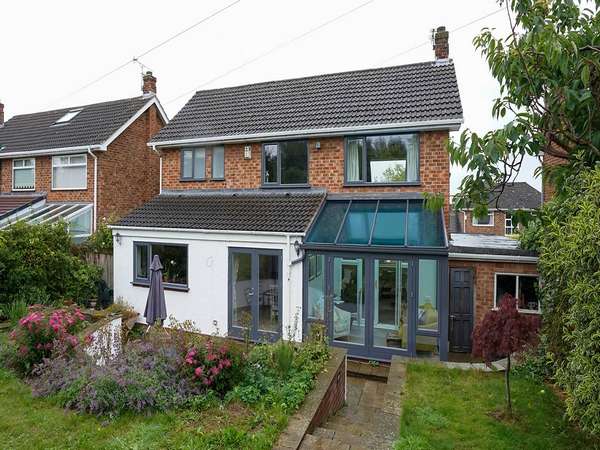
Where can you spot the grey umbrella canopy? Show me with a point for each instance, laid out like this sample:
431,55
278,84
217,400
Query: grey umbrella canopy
156,308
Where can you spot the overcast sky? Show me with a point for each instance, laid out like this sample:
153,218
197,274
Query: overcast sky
52,49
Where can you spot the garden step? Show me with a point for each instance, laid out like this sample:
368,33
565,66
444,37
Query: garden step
323,432
311,442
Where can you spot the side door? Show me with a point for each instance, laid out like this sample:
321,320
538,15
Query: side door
461,310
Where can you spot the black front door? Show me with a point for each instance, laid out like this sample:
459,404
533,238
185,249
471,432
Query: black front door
461,309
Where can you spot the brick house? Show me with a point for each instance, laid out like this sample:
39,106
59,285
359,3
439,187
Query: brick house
81,163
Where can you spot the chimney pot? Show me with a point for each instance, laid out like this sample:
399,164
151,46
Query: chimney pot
440,43
149,83
1,114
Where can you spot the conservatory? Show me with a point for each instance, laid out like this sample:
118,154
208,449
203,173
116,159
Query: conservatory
375,274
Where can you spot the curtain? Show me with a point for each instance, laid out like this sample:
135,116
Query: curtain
353,162
70,177
412,160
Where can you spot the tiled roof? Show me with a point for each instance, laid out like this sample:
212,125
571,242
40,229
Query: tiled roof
400,94
486,244
92,126
244,210
519,195
10,204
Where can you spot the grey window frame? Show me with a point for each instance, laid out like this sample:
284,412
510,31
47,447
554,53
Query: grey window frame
363,182
212,163
278,183
146,281
193,177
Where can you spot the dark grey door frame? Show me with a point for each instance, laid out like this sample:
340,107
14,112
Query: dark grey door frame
255,334
458,317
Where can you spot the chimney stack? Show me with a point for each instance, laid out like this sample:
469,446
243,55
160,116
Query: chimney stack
1,114
440,43
149,85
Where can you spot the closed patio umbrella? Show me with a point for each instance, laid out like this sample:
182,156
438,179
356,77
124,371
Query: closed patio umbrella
156,308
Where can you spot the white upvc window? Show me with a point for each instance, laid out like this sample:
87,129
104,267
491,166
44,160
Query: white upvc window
508,225
69,172
524,287
23,174
486,221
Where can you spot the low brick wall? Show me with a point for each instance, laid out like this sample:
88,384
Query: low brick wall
327,397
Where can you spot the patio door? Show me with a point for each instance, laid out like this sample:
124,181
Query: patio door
255,293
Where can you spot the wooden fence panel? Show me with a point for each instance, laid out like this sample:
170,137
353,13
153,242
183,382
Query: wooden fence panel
105,262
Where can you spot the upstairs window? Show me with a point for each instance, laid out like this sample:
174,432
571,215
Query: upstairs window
285,163
68,117
485,221
24,174
386,159
218,163
193,164
69,172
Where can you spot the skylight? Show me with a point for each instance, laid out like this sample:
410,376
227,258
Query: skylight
68,116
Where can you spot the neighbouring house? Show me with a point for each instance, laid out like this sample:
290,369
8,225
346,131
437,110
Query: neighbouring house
290,203
82,163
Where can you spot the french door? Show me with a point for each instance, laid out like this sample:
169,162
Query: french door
255,294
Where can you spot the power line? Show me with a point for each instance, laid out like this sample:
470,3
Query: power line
403,52
272,50
151,49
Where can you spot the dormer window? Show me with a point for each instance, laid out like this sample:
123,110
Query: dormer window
68,116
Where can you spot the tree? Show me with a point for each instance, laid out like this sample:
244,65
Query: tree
548,68
503,332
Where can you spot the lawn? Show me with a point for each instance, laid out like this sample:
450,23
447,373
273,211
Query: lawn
454,409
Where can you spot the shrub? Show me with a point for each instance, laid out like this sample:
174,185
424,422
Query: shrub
14,311
101,241
37,266
43,332
213,368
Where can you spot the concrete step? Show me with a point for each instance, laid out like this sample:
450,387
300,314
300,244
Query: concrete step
311,442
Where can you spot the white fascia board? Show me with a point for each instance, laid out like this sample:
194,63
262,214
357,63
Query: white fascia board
53,151
152,101
447,124
493,258
206,231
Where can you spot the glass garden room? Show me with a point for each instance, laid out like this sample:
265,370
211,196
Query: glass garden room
375,274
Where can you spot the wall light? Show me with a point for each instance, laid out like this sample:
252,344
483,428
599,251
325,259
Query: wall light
118,238
297,247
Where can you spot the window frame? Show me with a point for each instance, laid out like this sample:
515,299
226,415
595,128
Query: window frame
490,215
22,168
145,282
181,160
507,219
518,275
278,183
363,182
212,163
85,164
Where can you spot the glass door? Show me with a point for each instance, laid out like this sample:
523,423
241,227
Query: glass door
347,300
255,294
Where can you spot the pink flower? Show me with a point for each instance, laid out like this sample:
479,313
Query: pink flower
226,362
215,371
198,372
73,340
206,381
211,357
23,350
89,339
189,360
39,346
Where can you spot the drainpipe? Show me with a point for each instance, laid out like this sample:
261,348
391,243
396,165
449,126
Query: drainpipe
95,188
160,162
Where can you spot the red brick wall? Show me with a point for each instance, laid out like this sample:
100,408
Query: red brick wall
326,168
548,188
498,228
484,280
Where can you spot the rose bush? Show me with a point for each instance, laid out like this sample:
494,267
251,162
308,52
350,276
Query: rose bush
215,368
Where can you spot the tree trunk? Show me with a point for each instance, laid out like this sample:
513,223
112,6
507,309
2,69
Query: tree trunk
507,384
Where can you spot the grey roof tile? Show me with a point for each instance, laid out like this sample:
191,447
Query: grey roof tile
251,210
518,195
398,94
93,126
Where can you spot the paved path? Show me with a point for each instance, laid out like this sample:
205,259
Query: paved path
370,419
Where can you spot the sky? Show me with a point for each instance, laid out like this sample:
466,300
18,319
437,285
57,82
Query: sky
47,57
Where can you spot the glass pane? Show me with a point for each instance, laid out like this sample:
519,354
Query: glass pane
199,164
387,158
18,163
359,220
505,284
188,157
69,177
28,163
77,159
174,262
81,224
427,346
268,293
528,293
270,169
141,261
218,162
241,290
348,300
425,227
390,319
294,162
390,224
485,220
316,287
328,223
354,160
428,300
24,178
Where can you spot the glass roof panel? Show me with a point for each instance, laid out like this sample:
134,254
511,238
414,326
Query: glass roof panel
328,223
425,227
390,224
358,224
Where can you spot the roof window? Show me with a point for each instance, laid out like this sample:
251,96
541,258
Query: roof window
68,116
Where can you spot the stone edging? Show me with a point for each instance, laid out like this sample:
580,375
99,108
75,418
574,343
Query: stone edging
317,406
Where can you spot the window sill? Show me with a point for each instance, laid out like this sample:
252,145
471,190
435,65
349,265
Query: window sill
523,311
217,179
70,189
285,186
23,190
196,180
370,185
167,287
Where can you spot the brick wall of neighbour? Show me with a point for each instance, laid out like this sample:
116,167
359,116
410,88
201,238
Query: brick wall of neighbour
128,172
548,188
498,228
484,280
326,168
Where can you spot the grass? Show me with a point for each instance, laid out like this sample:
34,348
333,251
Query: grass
455,409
